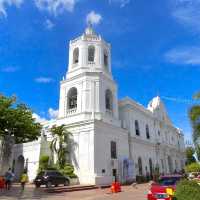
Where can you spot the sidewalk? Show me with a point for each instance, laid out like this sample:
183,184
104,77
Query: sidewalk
30,192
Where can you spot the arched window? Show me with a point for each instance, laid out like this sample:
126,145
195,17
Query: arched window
91,53
72,98
105,59
137,129
109,100
147,132
75,55
140,166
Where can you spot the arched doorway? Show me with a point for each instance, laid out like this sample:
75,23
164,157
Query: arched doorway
19,167
170,165
151,167
140,166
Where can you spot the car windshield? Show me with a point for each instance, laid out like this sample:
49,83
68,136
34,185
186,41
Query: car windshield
166,181
50,173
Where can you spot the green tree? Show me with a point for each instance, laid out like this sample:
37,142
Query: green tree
194,115
17,125
60,144
16,120
189,155
193,167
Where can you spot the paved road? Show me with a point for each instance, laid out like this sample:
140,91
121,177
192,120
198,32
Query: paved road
128,193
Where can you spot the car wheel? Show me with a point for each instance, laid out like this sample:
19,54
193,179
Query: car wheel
66,183
49,184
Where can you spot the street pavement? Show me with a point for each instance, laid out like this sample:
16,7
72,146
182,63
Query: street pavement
128,193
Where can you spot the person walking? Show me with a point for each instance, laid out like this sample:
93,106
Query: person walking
24,179
2,183
8,179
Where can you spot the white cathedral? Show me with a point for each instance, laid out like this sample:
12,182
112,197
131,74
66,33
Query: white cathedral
113,137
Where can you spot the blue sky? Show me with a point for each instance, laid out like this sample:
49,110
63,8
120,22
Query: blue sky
155,49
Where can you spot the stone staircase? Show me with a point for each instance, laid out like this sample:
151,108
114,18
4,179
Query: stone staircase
74,188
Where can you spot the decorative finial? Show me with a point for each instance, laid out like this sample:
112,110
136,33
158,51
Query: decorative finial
89,23
89,30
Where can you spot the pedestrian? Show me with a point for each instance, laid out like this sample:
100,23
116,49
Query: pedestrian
2,183
24,179
8,179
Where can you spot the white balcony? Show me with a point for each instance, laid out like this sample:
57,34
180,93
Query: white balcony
91,63
70,112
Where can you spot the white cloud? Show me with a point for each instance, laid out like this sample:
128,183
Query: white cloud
5,3
44,80
9,69
185,55
55,7
122,3
53,114
187,13
93,18
179,100
38,118
49,24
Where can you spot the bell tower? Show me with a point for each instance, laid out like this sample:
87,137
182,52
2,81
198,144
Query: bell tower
88,90
89,53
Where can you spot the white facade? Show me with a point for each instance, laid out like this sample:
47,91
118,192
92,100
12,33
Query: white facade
103,128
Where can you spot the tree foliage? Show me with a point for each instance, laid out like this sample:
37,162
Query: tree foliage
193,167
68,170
43,162
187,190
189,155
60,144
194,114
16,121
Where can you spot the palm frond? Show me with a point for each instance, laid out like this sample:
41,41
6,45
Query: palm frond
197,96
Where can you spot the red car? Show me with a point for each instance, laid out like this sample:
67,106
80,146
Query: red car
164,189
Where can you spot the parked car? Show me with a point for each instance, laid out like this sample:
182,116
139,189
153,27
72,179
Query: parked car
164,189
51,177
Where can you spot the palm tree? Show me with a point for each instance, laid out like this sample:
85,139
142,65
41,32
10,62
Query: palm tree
60,143
194,115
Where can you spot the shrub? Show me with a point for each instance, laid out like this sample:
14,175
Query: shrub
68,170
194,167
43,162
187,190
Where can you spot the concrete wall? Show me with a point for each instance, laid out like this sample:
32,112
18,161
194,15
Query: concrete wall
31,153
104,134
